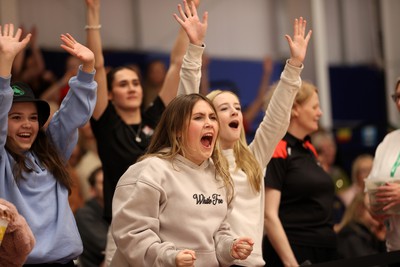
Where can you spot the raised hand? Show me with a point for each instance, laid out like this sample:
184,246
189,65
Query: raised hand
79,51
10,46
298,45
190,22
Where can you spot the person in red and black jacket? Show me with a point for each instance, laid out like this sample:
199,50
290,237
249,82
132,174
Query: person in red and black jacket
299,193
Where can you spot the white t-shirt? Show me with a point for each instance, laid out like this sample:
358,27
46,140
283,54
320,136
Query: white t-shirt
385,158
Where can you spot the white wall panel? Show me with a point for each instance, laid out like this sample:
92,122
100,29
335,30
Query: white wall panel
239,29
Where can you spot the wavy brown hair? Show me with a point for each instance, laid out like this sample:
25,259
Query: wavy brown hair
48,155
174,120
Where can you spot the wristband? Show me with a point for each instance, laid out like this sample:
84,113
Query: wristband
93,27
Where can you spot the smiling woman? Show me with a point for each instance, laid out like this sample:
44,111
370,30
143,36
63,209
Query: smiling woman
23,125
26,116
33,165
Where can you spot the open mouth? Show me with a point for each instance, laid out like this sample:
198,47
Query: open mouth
234,124
206,140
24,135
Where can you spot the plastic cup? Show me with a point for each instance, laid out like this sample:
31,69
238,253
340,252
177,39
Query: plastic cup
3,228
372,186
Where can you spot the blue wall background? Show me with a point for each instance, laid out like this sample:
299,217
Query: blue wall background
357,92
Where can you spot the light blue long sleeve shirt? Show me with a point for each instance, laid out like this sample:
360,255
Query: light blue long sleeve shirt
40,198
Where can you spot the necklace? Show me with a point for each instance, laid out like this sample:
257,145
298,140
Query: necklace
137,133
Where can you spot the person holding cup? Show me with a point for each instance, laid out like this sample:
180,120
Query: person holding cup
385,177
16,238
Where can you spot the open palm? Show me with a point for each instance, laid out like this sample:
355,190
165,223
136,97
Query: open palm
190,22
76,49
10,45
298,45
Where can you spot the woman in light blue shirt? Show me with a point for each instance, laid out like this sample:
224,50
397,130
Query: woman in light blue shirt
32,159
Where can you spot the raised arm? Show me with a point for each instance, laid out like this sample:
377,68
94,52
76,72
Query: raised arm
190,73
290,79
172,79
277,116
190,22
298,45
93,42
10,46
205,78
84,54
77,106
253,109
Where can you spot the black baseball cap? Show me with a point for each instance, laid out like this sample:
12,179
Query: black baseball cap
23,93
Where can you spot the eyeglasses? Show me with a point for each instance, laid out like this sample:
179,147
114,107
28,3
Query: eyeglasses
395,97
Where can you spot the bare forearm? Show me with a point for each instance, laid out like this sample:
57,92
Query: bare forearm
179,48
205,82
93,34
171,83
93,42
277,236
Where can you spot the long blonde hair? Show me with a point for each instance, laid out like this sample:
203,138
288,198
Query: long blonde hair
175,121
244,158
